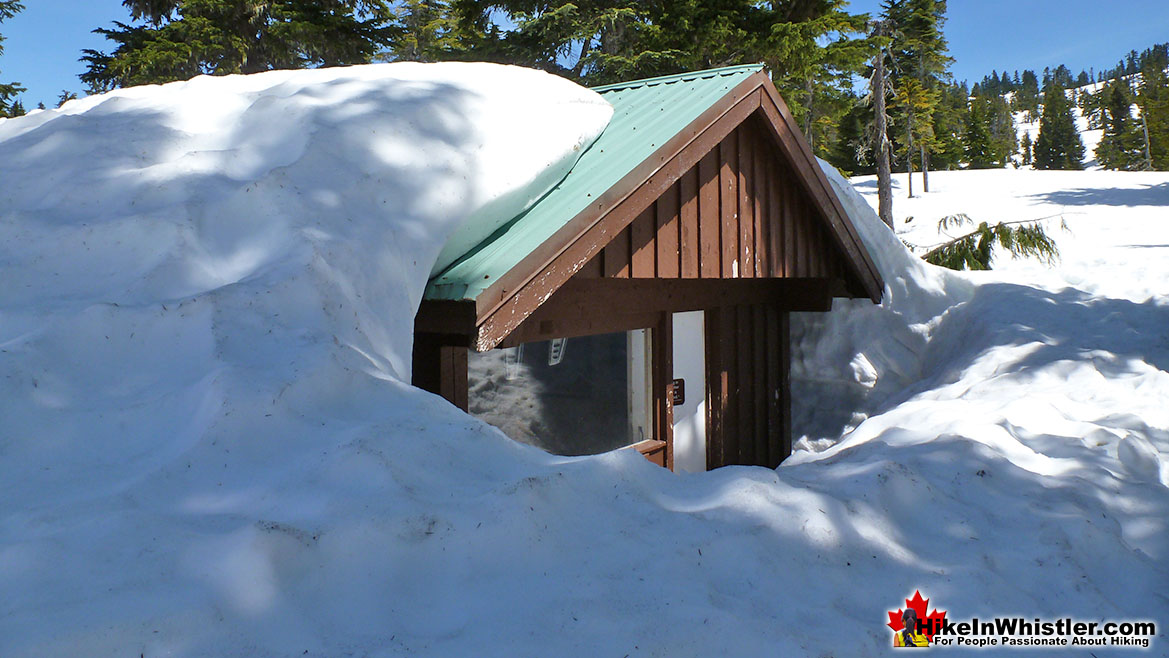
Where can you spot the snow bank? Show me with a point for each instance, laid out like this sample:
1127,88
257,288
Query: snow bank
207,309
1013,420
840,373
355,177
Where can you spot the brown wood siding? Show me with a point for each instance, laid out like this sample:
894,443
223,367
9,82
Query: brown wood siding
748,391
738,213
440,368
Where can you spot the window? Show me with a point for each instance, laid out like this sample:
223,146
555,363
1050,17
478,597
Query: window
574,396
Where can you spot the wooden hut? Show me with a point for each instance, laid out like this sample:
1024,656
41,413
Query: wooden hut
687,232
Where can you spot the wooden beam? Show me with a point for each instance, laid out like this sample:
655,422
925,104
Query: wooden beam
585,298
541,328
445,317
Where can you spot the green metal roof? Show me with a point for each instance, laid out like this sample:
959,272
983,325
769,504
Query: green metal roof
646,113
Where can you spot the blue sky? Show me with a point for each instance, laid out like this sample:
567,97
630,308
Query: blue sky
46,39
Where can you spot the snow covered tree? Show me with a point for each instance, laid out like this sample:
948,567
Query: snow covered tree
8,91
179,39
1059,145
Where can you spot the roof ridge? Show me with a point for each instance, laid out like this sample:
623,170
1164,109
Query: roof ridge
679,77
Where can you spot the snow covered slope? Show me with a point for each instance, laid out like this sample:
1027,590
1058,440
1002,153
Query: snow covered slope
207,446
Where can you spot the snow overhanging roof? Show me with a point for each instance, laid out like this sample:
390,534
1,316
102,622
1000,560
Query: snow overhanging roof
649,118
646,113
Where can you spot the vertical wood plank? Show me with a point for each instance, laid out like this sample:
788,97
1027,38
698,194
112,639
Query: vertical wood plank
727,360
714,417
774,421
744,379
458,384
785,400
811,252
641,235
688,223
761,194
708,216
777,216
592,269
667,239
746,207
790,218
728,152
617,256
662,369
759,384
804,229
827,252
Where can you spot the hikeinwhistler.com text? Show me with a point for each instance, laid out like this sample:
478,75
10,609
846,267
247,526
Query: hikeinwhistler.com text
1039,633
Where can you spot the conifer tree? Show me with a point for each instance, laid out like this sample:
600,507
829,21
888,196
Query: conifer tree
979,152
1059,145
852,152
1004,137
1122,145
947,150
178,39
430,31
920,69
976,249
1026,98
1026,148
810,46
814,70
8,91
1154,105
1062,76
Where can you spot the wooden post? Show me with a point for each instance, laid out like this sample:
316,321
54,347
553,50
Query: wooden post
440,368
662,369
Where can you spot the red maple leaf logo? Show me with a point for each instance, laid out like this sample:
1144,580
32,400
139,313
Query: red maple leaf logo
930,623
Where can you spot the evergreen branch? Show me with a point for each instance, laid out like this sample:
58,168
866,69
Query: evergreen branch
973,250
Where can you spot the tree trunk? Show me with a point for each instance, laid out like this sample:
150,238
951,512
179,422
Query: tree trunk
925,170
884,174
1148,164
909,154
809,116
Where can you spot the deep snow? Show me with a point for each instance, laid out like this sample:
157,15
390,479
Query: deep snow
207,447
